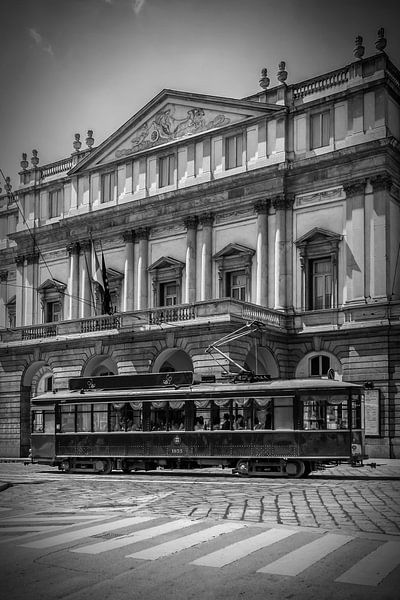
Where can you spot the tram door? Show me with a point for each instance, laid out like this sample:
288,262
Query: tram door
283,413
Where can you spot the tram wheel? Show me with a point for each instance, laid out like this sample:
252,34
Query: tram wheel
242,467
295,468
66,466
104,467
125,467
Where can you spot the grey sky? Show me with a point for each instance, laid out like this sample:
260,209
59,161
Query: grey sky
72,65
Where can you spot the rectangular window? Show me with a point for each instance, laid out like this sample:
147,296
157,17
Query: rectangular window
67,419
321,283
233,151
319,365
168,294
55,203
283,413
166,167
84,417
320,130
53,312
100,417
107,187
236,285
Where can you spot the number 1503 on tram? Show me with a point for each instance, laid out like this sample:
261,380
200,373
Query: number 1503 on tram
284,428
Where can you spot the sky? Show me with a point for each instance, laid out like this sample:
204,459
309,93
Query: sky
67,66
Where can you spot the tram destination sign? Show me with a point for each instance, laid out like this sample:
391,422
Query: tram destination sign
126,382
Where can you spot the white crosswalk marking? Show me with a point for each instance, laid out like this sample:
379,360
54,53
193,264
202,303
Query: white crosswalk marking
185,542
374,567
234,552
72,536
297,561
133,538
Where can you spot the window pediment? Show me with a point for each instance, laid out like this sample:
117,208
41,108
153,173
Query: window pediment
52,285
166,262
318,241
234,250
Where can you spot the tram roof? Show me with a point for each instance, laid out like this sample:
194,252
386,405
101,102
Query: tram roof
276,387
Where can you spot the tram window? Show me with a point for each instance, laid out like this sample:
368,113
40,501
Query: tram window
100,417
67,418
203,419
314,413
283,413
262,414
49,422
337,413
84,417
38,421
356,413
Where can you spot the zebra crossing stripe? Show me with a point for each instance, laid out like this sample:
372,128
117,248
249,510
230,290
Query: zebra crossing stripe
374,567
297,561
238,550
133,538
72,536
185,542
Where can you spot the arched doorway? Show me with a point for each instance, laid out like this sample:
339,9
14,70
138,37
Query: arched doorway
100,365
37,379
261,361
172,359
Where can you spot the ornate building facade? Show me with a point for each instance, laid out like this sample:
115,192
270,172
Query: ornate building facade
211,213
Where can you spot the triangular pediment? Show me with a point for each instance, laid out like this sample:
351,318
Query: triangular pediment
166,262
318,236
172,116
234,250
52,284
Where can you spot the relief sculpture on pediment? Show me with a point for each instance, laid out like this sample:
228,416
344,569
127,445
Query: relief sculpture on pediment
166,126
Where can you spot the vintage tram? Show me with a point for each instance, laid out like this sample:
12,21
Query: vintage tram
253,425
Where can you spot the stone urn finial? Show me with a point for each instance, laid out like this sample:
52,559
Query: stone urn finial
282,73
35,158
264,81
380,43
77,142
359,48
24,163
89,139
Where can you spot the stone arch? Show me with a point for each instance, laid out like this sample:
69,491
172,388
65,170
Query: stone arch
35,374
303,367
100,364
262,361
172,359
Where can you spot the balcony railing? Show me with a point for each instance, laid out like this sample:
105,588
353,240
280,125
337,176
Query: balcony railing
100,323
171,314
39,331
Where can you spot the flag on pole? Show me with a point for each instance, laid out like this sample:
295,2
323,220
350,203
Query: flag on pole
107,307
97,270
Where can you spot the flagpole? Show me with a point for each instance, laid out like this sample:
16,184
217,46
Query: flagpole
91,283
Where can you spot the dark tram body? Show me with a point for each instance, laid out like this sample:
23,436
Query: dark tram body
279,427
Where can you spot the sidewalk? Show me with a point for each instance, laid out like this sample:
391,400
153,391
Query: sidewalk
373,468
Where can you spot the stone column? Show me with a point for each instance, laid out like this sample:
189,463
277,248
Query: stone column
261,208
206,221
355,241
191,257
3,299
73,282
20,291
128,289
30,283
142,235
383,255
86,301
279,203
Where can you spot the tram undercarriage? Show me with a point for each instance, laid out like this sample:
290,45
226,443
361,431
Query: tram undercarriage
278,467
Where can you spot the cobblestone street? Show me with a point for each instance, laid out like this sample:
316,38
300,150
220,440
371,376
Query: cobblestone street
363,499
